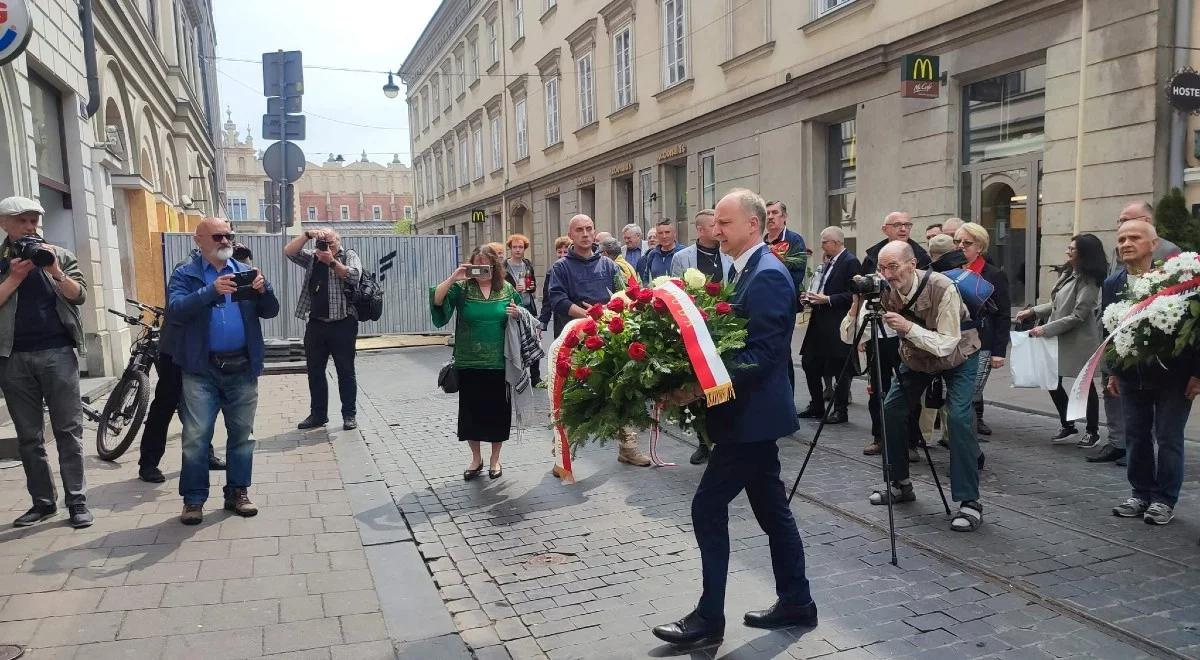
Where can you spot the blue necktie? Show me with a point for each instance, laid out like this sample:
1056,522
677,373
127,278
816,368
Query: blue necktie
732,273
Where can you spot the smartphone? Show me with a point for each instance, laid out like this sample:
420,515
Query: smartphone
479,271
322,244
245,283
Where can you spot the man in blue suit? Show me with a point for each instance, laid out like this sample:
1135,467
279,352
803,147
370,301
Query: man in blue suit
744,432
823,355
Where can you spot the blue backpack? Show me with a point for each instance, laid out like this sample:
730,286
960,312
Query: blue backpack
976,294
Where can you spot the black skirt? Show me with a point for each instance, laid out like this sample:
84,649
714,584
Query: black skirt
484,411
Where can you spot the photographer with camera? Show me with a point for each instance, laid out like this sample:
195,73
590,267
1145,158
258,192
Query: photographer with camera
41,289
332,328
938,340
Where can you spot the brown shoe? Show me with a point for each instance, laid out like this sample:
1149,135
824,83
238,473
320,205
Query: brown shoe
873,449
193,514
240,504
633,457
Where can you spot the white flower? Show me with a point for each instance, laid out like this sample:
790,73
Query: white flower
694,278
1123,342
1114,314
1186,263
1166,313
660,280
1141,289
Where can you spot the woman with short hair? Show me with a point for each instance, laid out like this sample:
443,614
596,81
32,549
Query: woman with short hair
994,322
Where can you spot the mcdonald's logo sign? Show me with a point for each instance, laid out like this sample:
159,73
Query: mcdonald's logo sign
920,76
478,215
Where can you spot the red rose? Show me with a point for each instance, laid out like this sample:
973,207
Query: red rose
581,373
617,304
712,288
644,295
632,291
678,282
596,311
593,343
562,369
589,327
571,340
631,282
615,325
637,351
724,308
659,305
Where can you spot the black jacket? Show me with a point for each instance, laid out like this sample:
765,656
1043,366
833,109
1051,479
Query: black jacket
994,326
824,325
870,262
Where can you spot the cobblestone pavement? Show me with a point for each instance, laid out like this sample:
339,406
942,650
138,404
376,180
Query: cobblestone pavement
530,568
291,582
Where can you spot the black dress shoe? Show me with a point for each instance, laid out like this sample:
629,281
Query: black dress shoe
151,475
700,456
349,422
811,412
35,515
80,516
1107,455
782,616
837,417
691,630
311,422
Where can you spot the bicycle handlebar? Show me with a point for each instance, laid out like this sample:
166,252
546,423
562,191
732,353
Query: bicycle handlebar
146,308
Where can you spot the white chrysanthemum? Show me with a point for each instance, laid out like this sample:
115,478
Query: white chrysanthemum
1114,313
694,279
1141,289
1185,263
660,280
1123,342
1165,314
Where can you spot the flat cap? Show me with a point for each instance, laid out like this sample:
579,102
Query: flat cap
19,205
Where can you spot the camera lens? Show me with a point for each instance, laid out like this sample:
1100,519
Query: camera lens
42,257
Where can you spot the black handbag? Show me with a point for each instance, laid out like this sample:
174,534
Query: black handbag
448,378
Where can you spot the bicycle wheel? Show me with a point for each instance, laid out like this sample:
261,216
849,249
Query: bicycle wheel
123,414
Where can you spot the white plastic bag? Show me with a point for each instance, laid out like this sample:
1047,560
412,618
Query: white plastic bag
1033,360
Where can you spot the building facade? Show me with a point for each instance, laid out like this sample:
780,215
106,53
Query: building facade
120,159
245,187
359,192
1049,119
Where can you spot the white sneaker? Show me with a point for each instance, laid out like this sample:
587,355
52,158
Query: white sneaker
1158,514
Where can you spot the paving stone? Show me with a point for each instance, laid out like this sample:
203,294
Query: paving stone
50,603
301,635
193,593
222,645
282,586
79,629
377,650
302,608
366,627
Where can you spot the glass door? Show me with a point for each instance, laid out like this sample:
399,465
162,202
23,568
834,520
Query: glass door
1004,199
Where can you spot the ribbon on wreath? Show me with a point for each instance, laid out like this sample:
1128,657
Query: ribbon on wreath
702,352
656,415
560,448
1077,403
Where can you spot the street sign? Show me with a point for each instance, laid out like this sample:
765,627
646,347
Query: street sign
289,81
273,162
16,28
296,127
478,215
920,76
1183,91
291,105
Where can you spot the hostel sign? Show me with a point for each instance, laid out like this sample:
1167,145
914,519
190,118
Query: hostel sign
1183,91
920,77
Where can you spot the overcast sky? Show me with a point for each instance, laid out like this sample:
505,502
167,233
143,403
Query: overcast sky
356,34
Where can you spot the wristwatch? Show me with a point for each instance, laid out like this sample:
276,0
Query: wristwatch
58,278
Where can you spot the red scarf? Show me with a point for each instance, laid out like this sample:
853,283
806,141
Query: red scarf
977,265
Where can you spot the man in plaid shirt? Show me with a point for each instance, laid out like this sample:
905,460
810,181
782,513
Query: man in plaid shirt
332,328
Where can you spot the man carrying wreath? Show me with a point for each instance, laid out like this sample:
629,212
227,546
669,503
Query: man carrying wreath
744,432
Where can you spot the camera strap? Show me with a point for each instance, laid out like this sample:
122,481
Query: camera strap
907,310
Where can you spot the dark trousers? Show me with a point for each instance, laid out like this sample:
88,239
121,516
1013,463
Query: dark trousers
818,363
1155,418
1060,398
162,409
753,467
889,361
337,339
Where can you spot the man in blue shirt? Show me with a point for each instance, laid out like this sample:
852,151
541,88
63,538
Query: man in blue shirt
657,261
220,350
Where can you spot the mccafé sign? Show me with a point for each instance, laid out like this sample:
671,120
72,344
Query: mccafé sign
920,77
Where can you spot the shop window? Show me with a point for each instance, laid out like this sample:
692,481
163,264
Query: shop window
1005,116
708,180
842,166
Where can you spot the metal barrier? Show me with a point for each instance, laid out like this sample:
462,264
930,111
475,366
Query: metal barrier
407,265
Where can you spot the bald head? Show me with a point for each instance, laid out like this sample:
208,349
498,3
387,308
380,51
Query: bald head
583,234
897,225
898,250
214,239
898,265
1139,210
1136,242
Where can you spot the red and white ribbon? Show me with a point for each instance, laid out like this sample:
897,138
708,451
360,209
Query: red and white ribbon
560,448
655,461
702,352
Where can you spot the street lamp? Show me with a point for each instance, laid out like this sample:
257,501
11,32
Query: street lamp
390,90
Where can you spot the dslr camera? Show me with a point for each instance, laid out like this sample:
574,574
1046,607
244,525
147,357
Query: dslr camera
868,286
34,249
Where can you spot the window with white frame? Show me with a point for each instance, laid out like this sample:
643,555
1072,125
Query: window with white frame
344,212
430,192
408,213
376,212
674,21
494,129
436,91
237,208
425,109
462,74
262,209
708,180
553,132
587,89
464,173
446,83
522,130
823,7
493,44
477,145
450,178
439,181
312,214
623,66
473,59
518,19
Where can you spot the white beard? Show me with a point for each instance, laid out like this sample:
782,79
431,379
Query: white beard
225,253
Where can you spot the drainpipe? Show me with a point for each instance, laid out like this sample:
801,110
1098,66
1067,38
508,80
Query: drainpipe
1177,158
1085,18
88,28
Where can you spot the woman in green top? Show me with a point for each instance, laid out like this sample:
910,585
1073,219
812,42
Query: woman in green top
484,301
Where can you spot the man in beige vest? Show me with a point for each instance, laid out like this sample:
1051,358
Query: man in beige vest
938,340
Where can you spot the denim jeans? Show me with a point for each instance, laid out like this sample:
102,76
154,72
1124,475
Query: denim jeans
1113,412
1155,416
235,396
901,402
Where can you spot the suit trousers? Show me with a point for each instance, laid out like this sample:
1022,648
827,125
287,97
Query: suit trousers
323,339
753,467
826,362
162,409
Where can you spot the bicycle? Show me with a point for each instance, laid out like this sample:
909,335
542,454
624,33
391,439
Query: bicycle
123,414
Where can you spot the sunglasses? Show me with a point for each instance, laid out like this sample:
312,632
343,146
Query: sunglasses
963,243
218,238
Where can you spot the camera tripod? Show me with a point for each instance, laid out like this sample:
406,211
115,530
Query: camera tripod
872,319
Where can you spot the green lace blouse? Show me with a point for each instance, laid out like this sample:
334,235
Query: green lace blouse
479,334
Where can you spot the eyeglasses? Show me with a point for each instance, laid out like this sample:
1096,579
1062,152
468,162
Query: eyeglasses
219,238
900,225
1121,219
962,242
890,268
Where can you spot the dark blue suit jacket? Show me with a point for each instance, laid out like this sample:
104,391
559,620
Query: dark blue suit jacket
824,326
764,410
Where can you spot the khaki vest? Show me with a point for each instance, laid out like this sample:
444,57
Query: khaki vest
924,312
